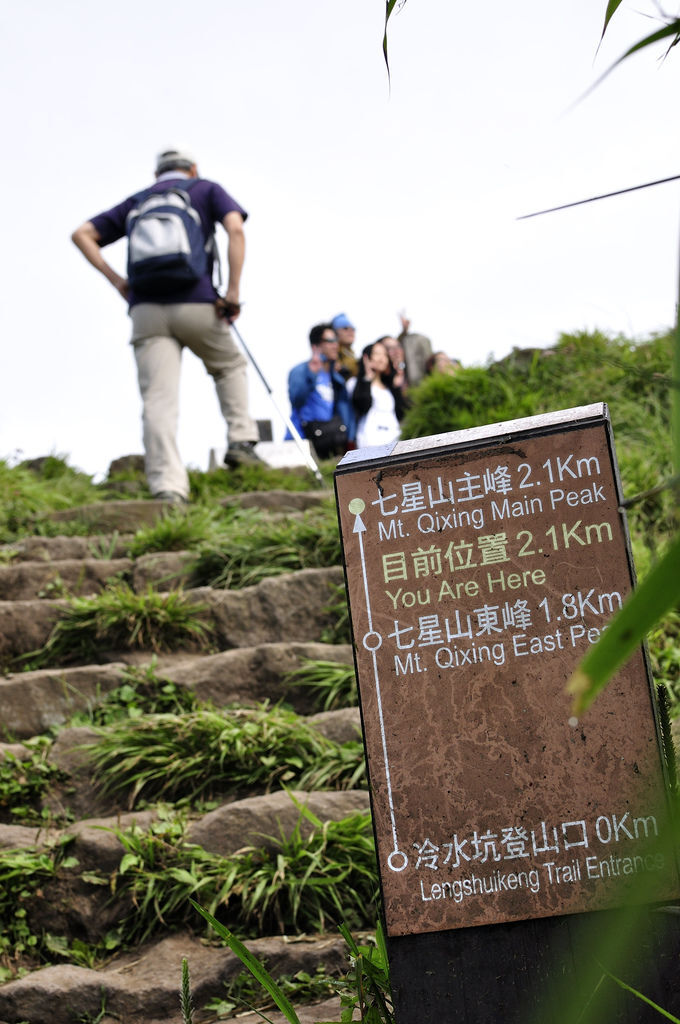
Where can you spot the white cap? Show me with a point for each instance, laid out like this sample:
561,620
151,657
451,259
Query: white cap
171,159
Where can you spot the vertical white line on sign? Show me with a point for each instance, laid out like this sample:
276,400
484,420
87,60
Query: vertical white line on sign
372,642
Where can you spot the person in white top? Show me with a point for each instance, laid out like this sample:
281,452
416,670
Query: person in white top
378,402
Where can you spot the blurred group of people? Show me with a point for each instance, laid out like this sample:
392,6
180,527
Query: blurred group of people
342,400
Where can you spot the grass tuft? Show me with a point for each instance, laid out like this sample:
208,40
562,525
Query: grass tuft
259,546
332,684
22,873
300,883
24,782
196,755
120,619
141,692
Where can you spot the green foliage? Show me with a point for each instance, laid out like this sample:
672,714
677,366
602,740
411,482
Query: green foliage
634,379
332,684
185,994
196,755
211,487
655,596
341,768
339,631
88,1018
366,987
668,746
22,873
240,547
179,529
141,692
259,546
389,10
23,783
441,403
158,872
120,619
104,546
669,33
297,884
55,589
664,650
309,880
244,992
30,491
83,954
257,969
640,996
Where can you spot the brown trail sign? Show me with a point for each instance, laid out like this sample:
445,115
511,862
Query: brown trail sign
480,565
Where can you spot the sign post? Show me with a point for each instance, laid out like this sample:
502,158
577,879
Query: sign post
480,565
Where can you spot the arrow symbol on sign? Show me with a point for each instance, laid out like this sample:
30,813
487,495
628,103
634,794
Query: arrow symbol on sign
360,530
372,642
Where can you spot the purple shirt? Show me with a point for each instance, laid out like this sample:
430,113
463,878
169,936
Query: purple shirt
212,204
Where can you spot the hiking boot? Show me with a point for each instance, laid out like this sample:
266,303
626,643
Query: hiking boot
171,498
242,453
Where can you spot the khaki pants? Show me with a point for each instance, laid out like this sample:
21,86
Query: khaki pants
159,333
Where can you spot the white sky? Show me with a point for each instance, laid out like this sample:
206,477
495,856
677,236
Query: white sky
361,200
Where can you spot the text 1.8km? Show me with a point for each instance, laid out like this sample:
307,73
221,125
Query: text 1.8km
579,604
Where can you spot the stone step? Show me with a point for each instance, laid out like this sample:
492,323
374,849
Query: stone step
143,988
278,501
73,906
29,581
292,606
258,635
127,516
35,702
124,516
255,674
278,608
25,626
223,831
56,549
78,577
251,822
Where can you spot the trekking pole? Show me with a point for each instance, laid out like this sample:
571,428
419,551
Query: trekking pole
305,452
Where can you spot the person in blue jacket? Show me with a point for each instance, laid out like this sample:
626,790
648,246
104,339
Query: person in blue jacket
321,408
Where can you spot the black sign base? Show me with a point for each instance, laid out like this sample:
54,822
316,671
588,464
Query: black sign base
544,971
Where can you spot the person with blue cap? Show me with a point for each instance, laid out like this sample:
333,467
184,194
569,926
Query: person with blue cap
347,363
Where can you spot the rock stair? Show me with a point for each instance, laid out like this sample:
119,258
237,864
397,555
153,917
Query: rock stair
258,635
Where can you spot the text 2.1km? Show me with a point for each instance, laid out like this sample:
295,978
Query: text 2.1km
561,469
564,536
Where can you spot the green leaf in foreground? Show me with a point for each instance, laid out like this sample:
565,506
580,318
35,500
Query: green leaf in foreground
185,994
639,995
611,10
254,966
671,29
659,592
389,8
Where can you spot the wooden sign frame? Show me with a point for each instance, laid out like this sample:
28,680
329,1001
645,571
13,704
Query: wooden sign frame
480,565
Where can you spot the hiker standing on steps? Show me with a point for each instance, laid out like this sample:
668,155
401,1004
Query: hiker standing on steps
173,304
